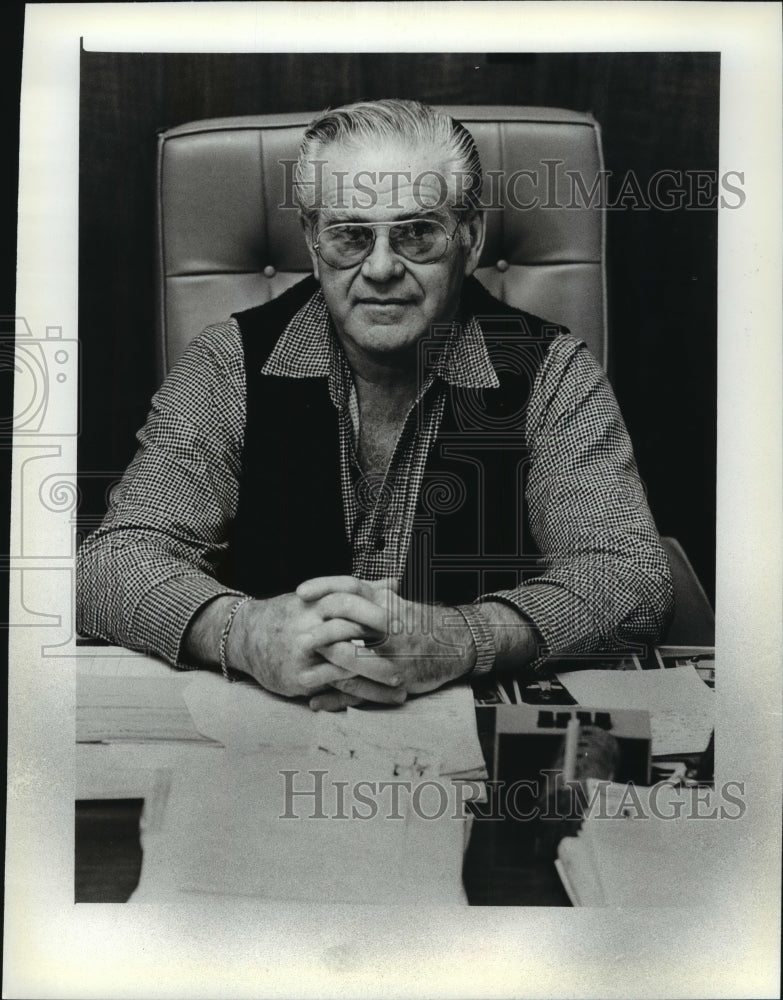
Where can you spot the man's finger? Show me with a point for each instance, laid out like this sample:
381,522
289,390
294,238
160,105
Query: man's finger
368,690
357,609
333,630
359,660
320,586
322,675
315,589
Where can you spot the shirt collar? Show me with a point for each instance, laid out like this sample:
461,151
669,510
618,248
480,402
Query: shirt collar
308,348
465,363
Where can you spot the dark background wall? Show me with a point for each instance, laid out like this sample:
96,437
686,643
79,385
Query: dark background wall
657,111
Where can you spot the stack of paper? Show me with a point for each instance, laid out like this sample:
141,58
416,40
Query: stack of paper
630,852
132,709
437,730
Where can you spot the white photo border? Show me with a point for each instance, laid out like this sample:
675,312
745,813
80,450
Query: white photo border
54,948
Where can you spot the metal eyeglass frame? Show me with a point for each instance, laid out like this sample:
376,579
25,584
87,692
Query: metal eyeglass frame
371,247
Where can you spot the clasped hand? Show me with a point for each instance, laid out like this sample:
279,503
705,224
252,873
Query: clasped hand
412,648
340,641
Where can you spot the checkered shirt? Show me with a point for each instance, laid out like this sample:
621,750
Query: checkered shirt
150,567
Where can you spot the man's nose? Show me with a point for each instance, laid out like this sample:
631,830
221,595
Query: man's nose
382,264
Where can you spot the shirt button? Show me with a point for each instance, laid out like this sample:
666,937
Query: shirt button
269,271
502,265
380,543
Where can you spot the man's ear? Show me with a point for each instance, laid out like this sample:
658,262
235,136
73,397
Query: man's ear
308,235
476,227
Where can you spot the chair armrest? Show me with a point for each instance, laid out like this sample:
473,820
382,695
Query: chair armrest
694,619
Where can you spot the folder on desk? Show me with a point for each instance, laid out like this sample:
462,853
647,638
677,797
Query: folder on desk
628,854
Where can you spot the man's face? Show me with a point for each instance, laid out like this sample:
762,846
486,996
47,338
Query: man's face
382,306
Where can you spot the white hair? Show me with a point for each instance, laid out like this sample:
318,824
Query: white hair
375,122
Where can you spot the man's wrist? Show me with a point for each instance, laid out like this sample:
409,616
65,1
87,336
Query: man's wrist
201,642
223,659
482,639
517,639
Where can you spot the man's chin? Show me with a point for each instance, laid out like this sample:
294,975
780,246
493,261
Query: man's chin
387,338
390,342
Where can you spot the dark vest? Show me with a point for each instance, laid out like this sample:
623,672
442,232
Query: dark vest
470,532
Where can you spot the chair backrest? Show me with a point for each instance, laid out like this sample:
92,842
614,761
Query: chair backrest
225,242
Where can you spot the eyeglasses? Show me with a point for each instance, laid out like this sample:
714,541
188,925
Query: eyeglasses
346,244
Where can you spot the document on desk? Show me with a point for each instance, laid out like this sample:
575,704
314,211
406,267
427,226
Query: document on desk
142,699
632,850
440,727
681,706
244,717
311,827
441,723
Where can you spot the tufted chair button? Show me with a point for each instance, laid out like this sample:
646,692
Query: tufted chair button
269,271
502,265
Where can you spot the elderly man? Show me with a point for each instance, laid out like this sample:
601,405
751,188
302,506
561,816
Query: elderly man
385,479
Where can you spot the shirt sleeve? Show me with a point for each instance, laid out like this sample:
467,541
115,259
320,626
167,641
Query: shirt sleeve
605,579
143,575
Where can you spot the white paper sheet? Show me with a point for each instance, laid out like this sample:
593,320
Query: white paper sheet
666,855
441,724
681,706
435,729
231,830
244,717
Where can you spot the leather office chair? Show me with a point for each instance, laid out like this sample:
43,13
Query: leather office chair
225,242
